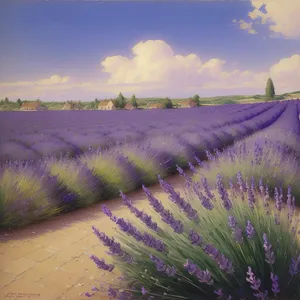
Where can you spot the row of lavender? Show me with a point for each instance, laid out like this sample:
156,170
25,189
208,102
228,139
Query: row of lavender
72,133
272,153
233,234
31,192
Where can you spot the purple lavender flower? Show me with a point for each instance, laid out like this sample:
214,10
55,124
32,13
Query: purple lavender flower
112,292
87,294
114,247
206,203
295,266
100,263
192,168
166,215
291,207
227,204
152,242
179,201
195,238
270,256
187,178
232,223
199,162
222,261
145,218
210,156
131,230
202,276
241,182
237,235
220,293
155,203
275,284
261,186
207,188
106,211
251,199
254,283
266,200
171,271
250,231
144,291
162,267
278,201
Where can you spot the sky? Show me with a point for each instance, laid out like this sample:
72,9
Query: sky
60,50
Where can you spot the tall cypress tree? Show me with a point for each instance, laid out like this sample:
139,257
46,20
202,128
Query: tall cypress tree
120,101
270,89
133,101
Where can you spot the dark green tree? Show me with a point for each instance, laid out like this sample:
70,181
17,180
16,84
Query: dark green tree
196,98
168,103
270,89
6,101
133,101
120,101
19,102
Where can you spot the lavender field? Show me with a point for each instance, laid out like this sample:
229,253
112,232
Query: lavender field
53,162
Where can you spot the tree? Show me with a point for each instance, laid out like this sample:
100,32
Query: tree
270,89
6,101
19,102
196,98
120,101
168,103
133,101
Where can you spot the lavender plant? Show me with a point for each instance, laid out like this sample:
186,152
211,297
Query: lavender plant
241,246
256,158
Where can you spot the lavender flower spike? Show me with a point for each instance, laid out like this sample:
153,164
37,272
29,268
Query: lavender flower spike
275,284
254,283
250,231
101,263
202,276
227,204
145,218
270,256
295,266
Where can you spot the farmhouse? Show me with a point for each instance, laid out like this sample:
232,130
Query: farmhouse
31,106
106,105
154,105
129,106
72,105
187,103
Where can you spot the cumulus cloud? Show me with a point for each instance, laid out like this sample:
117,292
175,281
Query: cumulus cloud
52,80
154,62
248,26
281,16
154,69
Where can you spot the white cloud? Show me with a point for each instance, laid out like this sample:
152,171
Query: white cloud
155,70
52,80
246,26
282,16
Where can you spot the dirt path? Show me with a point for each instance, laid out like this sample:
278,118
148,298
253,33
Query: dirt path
49,260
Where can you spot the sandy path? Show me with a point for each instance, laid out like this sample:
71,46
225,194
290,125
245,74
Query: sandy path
49,260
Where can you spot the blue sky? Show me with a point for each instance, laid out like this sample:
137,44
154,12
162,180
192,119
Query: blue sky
40,39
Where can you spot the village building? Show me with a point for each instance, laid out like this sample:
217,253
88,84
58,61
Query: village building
106,105
31,106
72,105
129,106
187,103
155,106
